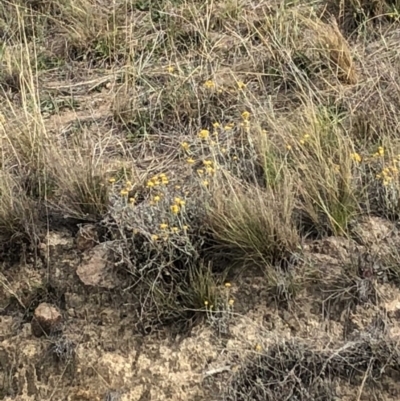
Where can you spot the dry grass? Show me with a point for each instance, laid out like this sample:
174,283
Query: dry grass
199,137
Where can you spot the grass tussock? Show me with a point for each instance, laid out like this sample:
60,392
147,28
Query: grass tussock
253,226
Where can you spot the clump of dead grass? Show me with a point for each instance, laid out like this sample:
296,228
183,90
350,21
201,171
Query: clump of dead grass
295,369
19,220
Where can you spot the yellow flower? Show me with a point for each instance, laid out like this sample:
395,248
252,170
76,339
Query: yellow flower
356,157
209,84
205,303
124,192
288,147
228,285
190,160
223,150
231,302
175,229
241,85
154,237
200,171
381,151
207,162
170,69
111,180
164,181
150,184
229,126
163,226
175,209
132,200
245,115
258,348
205,183
157,198
204,134
185,227
210,170
216,125
179,201
185,146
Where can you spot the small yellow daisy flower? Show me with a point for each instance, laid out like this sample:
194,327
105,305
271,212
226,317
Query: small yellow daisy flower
245,115
209,84
132,200
157,198
241,85
111,180
163,226
124,192
185,146
229,126
231,302
150,184
175,230
190,160
210,170
381,151
154,237
205,183
228,285
216,125
170,69
200,171
356,157
175,209
204,134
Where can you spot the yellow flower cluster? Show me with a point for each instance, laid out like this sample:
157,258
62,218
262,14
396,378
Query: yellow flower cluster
157,180
388,174
380,152
177,205
204,134
356,157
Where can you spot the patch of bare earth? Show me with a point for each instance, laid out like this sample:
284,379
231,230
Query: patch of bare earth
98,352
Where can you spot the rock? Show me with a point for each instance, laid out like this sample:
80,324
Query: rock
96,269
87,237
46,320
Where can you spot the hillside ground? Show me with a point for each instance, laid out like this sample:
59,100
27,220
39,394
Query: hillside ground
206,195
